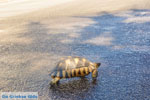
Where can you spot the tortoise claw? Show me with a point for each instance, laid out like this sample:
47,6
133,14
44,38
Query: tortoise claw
94,81
55,82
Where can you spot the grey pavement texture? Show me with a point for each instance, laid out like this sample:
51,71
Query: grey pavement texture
121,42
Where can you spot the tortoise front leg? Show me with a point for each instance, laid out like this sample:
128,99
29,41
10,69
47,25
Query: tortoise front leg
94,74
55,81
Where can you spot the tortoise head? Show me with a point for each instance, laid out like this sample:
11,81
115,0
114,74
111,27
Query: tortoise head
97,64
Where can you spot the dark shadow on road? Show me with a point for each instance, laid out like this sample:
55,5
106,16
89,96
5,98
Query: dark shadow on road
72,90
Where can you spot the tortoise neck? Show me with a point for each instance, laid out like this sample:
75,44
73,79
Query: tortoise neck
91,68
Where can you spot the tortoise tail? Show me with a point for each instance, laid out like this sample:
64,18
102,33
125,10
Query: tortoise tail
57,74
53,75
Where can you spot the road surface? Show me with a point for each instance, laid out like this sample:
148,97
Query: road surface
29,50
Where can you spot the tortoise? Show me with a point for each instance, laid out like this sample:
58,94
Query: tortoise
73,67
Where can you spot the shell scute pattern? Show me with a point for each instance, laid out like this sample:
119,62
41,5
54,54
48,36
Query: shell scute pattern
72,63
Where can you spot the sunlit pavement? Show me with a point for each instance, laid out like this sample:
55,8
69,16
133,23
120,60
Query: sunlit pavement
121,42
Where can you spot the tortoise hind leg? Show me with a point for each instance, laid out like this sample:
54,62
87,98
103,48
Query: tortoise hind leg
55,81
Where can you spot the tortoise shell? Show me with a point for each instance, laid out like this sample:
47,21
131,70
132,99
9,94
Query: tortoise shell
73,67
72,63
67,67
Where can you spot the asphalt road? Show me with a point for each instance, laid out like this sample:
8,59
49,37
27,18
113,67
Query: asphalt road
121,42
